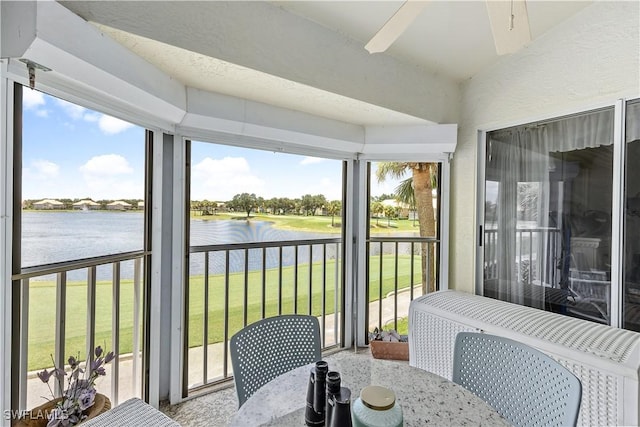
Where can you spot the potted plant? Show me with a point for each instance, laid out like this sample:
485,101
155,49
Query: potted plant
79,400
389,345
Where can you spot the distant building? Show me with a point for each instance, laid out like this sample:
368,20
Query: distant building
119,205
48,204
141,205
86,205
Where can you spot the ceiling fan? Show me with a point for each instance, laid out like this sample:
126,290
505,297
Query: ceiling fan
509,25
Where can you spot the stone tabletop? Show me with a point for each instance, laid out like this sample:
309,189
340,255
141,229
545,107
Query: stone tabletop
425,398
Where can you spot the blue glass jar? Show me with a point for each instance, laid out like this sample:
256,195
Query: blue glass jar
376,407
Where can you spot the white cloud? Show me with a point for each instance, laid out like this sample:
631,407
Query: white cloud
221,179
42,169
111,125
330,188
41,178
106,164
114,187
74,111
388,186
32,99
92,117
311,160
46,168
107,124
109,177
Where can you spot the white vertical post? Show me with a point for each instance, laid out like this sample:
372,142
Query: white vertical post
6,216
363,262
177,274
349,255
155,282
358,240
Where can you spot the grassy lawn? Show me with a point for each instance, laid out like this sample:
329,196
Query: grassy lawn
42,305
318,224
42,319
403,326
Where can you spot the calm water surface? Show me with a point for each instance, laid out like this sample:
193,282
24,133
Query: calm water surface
62,236
49,237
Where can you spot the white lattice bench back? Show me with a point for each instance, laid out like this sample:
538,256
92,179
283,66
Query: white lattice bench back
605,359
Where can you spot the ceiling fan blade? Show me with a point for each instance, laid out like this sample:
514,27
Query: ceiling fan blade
395,26
509,33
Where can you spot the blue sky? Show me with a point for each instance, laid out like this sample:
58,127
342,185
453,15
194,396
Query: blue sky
73,152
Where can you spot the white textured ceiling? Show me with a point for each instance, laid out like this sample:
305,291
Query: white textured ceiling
450,40
215,75
449,37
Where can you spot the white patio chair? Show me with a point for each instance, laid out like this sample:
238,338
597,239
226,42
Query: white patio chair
525,386
270,347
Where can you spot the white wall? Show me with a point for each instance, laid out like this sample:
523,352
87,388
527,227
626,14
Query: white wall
589,61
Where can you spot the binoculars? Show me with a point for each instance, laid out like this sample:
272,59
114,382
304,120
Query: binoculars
327,402
338,409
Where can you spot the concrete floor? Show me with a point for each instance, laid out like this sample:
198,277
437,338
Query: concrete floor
212,409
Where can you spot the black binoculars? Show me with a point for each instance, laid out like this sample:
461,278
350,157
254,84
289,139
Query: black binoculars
338,410
314,413
327,402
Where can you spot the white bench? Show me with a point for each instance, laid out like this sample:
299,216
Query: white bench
605,359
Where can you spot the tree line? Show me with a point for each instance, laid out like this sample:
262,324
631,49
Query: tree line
308,205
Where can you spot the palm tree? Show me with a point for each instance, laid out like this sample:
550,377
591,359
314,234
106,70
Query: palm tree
333,208
417,191
377,208
389,212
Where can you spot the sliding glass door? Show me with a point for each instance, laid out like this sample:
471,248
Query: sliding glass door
548,215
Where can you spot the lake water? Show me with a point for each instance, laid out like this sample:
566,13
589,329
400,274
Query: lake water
49,237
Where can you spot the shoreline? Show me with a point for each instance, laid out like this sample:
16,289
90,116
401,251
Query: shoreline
316,223
322,223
